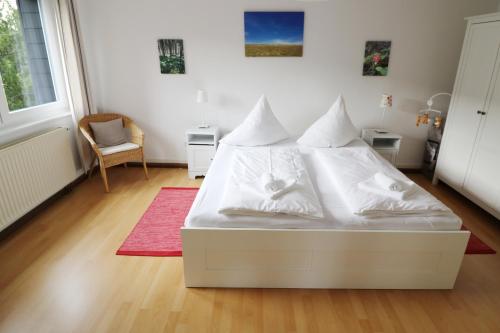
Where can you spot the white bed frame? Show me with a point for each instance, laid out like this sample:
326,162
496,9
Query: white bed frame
297,258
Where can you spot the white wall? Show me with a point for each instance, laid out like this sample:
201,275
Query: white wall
120,44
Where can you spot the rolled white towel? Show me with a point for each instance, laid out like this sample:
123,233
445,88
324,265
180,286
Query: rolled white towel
373,186
275,188
269,184
286,186
388,183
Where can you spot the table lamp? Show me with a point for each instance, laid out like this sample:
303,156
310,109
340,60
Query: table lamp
202,98
385,103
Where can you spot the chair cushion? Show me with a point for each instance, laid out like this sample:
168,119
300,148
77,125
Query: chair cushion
118,148
109,133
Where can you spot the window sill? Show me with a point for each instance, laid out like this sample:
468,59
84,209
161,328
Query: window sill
5,129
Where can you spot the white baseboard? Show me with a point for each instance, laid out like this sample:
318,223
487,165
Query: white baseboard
166,161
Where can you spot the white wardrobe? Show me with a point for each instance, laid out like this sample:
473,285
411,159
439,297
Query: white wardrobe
469,160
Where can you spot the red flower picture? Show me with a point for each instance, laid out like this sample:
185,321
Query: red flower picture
377,55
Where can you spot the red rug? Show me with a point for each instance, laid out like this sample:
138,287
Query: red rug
477,246
158,232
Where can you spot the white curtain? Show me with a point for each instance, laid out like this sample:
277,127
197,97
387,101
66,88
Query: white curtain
76,71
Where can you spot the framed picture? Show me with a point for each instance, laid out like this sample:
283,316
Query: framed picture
171,56
377,55
274,34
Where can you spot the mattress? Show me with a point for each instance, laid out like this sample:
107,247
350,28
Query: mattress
203,213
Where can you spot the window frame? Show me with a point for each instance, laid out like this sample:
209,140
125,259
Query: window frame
35,114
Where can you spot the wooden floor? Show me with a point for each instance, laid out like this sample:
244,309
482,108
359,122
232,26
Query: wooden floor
59,273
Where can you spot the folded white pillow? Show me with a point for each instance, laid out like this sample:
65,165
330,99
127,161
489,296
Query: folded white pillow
333,129
260,127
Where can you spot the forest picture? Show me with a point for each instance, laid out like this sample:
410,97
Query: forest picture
274,34
171,56
377,56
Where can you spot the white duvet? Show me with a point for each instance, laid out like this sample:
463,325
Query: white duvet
348,167
249,189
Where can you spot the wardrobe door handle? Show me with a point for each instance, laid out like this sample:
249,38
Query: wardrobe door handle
482,113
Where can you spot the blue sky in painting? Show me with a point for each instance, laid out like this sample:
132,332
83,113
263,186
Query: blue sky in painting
274,27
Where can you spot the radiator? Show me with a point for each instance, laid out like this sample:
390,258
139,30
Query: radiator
32,170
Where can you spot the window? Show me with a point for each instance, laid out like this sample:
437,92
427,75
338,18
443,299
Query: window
30,65
24,65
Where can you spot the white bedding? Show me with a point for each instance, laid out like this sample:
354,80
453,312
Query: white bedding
351,167
204,213
252,174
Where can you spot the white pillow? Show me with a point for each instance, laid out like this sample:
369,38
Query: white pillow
259,128
333,129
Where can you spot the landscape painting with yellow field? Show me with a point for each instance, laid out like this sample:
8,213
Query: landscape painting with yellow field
274,34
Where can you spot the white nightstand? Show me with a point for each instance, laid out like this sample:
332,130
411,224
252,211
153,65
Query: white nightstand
386,144
201,144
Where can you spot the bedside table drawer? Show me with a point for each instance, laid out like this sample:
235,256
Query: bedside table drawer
388,154
201,144
200,157
385,143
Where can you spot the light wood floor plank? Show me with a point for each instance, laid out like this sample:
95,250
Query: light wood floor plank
59,273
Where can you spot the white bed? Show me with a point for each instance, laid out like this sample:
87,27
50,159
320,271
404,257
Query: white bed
203,213
342,250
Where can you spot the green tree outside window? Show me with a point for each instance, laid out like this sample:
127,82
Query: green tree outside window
14,67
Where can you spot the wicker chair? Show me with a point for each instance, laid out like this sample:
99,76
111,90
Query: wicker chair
121,157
